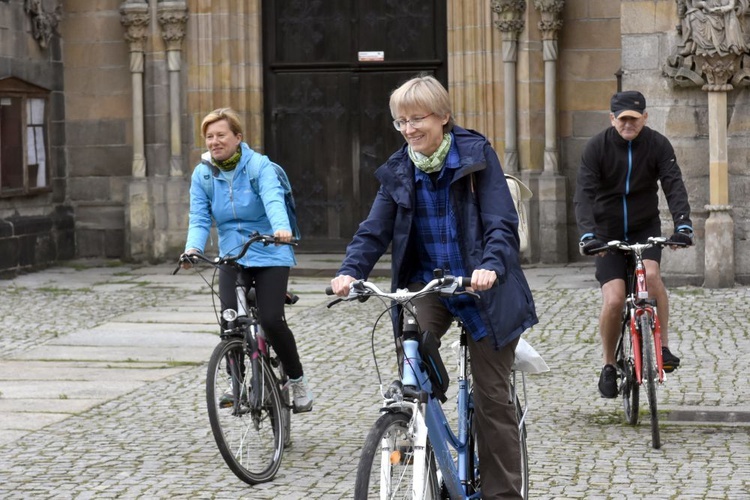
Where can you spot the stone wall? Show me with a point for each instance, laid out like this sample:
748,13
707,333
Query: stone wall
590,57
36,229
120,211
99,138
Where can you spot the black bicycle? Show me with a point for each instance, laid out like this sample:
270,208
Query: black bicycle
247,393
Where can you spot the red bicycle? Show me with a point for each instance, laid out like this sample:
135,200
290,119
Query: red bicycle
638,354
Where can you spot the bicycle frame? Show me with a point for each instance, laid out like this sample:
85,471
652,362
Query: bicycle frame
639,304
430,413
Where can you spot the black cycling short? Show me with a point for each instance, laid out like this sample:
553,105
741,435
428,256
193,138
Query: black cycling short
613,265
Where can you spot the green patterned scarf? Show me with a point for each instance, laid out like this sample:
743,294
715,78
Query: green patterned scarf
230,163
434,162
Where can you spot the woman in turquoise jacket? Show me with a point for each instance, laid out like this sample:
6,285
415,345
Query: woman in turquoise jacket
220,190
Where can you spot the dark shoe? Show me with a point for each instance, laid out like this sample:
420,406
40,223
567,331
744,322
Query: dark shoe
608,382
670,362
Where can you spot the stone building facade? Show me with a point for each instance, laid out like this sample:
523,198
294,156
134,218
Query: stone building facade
126,84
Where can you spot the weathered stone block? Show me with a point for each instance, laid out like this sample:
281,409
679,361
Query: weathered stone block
99,216
641,52
94,160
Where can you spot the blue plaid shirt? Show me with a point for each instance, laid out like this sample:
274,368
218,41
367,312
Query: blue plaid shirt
437,239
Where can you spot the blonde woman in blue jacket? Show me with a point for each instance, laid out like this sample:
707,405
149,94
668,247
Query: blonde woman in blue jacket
444,203
239,211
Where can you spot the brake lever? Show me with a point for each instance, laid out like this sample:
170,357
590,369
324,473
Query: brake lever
334,302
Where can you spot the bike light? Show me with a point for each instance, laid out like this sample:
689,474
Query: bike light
229,315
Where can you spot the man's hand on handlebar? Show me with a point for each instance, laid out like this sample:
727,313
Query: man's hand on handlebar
683,238
588,247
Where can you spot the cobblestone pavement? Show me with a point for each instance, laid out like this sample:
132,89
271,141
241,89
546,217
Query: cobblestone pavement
102,373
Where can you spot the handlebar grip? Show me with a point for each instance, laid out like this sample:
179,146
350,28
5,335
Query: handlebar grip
329,290
464,281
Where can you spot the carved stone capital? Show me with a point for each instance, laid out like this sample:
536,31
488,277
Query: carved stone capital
135,17
172,18
551,22
718,70
510,15
44,21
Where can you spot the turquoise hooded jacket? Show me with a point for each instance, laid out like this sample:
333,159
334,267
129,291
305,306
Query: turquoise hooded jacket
239,212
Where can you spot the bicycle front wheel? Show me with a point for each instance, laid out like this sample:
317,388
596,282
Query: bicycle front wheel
629,387
650,376
524,449
245,412
386,466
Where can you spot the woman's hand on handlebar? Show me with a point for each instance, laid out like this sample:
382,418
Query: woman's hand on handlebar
185,261
482,279
340,285
283,235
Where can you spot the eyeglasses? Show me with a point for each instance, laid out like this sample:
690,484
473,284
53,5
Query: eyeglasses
414,122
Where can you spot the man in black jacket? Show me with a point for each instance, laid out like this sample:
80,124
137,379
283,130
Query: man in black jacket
617,199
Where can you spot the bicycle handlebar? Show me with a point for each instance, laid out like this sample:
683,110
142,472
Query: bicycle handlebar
266,239
446,286
653,241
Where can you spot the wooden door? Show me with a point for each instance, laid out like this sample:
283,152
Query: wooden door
329,68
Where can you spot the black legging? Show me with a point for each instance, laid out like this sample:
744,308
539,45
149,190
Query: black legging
270,287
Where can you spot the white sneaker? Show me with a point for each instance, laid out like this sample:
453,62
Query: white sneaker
302,397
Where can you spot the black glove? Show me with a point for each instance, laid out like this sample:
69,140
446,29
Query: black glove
683,236
586,246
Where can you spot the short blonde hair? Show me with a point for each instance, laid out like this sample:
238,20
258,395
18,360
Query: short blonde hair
423,92
228,114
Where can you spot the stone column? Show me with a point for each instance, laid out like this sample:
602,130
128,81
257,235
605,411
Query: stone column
139,215
135,17
510,23
552,193
172,19
719,230
718,70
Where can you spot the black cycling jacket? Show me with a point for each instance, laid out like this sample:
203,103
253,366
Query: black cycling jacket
617,189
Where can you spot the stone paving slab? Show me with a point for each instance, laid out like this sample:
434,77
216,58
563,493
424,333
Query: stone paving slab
153,440
174,354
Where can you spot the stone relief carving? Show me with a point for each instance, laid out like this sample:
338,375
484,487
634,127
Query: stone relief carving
714,51
45,15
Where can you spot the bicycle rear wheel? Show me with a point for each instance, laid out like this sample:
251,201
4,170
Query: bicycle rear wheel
629,387
386,466
286,404
245,413
650,376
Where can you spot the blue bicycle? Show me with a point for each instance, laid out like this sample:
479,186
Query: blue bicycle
412,451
